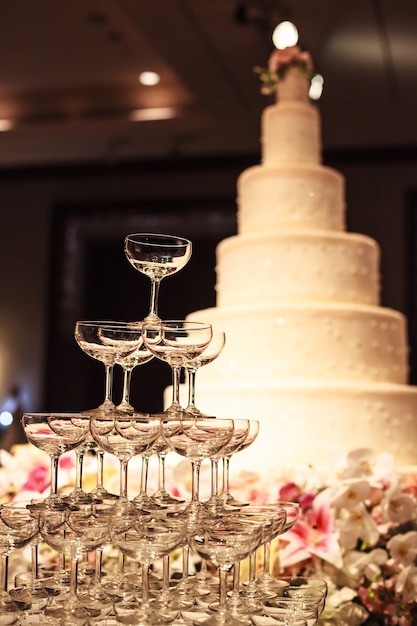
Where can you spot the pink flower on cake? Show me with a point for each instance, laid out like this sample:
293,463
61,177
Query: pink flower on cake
289,56
278,64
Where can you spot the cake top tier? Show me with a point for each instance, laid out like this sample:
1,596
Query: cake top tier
288,74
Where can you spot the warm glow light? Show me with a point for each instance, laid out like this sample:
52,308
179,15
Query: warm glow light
284,35
156,113
316,87
6,125
149,78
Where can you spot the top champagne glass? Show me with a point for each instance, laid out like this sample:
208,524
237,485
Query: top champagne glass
157,256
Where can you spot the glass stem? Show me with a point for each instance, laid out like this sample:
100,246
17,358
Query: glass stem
222,591
226,487
79,458
145,584
185,562
191,371
165,576
100,469
127,376
98,565
153,311
109,383
54,476
267,558
73,577
176,374
236,577
195,481
214,477
144,474
123,479
161,472
34,560
4,573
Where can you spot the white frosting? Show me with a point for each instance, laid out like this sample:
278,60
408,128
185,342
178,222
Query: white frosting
281,144
314,421
290,196
309,351
319,266
328,341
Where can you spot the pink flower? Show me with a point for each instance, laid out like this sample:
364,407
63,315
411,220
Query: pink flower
290,492
287,56
66,462
306,500
38,479
314,535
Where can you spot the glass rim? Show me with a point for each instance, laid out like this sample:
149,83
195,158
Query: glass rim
170,240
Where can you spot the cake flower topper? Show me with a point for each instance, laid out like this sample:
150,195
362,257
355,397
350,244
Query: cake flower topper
279,62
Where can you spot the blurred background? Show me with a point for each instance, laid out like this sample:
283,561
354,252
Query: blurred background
121,116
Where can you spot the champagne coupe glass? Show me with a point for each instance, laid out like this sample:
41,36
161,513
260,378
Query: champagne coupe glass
249,439
157,256
75,531
176,342
54,433
224,540
161,448
78,495
273,518
124,436
128,363
107,341
197,439
18,527
304,589
240,431
266,582
211,352
289,609
145,538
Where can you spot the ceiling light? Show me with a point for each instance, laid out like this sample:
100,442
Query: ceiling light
284,35
149,78
6,125
151,114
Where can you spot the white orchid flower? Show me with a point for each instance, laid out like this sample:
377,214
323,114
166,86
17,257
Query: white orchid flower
397,506
403,547
406,585
350,493
357,564
357,524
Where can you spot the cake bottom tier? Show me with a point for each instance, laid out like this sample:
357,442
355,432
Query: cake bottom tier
313,422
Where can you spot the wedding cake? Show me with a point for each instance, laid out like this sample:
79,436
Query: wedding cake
309,352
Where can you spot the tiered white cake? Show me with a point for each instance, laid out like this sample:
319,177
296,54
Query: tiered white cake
309,351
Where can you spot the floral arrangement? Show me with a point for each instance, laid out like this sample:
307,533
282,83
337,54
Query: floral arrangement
357,526
279,63
358,530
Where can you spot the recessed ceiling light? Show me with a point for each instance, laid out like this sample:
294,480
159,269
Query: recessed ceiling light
6,125
149,78
155,113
